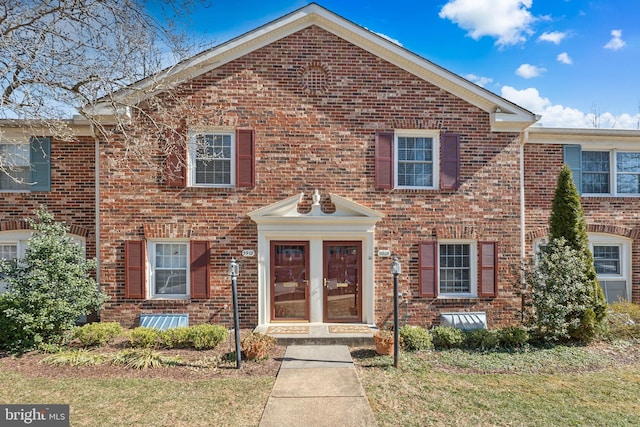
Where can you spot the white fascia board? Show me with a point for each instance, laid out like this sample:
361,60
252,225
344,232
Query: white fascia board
590,137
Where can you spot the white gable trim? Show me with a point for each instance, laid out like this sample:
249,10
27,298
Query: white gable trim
505,116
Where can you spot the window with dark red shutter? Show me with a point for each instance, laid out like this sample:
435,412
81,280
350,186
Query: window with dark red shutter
245,158
428,277
134,265
200,269
487,269
384,160
450,161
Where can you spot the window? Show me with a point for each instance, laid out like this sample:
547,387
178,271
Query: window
219,159
417,159
464,269
606,259
15,161
595,172
214,160
415,163
169,269
455,268
8,252
604,172
628,173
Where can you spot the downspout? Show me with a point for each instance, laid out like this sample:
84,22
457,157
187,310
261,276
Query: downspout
523,253
97,200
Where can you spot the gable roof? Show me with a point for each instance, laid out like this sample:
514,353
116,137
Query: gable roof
505,116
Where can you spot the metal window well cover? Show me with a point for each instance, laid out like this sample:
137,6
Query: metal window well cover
464,321
164,321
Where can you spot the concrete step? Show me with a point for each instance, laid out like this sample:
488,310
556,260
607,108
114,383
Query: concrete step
319,333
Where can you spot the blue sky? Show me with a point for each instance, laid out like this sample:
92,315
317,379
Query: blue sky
575,62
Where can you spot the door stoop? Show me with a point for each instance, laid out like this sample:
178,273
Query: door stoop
351,334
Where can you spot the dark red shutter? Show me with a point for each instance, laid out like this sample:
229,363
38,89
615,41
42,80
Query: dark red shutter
245,158
200,269
428,278
488,269
384,160
176,170
134,266
450,161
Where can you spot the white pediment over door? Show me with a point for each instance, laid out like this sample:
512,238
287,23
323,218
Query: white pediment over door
286,212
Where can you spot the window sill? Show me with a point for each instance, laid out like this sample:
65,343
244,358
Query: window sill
169,298
456,297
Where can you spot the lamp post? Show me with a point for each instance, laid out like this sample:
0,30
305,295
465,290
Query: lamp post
396,269
234,270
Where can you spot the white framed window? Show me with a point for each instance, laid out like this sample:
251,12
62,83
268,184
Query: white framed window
610,172
169,269
212,161
457,268
15,173
416,155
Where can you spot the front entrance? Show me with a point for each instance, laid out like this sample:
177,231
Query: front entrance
290,282
315,267
342,281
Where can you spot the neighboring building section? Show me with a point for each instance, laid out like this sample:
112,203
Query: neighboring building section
606,169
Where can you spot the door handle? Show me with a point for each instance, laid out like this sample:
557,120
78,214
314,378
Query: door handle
325,282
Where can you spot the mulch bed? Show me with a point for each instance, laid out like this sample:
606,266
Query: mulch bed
198,365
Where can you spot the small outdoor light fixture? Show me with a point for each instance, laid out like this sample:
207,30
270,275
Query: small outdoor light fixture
234,270
396,269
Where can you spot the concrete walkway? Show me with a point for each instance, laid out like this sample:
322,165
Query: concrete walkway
317,386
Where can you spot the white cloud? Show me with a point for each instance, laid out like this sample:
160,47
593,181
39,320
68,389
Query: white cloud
529,71
479,80
507,20
392,40
554,37
616,42
560,116
564,58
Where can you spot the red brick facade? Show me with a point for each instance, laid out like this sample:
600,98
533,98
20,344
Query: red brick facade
72,195
317,140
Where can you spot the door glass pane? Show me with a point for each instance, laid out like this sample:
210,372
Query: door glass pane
290,282
342,283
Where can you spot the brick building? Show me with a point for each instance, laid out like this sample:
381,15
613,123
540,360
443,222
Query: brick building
312,151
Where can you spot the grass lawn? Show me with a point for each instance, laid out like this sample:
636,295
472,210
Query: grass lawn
145,402
564,386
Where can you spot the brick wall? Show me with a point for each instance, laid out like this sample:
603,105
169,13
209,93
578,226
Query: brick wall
326,141
619,216
72,195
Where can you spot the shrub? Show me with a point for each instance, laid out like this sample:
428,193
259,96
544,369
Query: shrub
445,337
513,337
623,321
143,337
256,345
97,334
48,289
176,337
143,359
207,336
562,295
482,339
415,338
80,357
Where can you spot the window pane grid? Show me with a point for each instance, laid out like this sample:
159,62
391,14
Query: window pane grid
16,161
8,251
628,176
170,268
213,159
415,162
455,268
607,259
595,171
